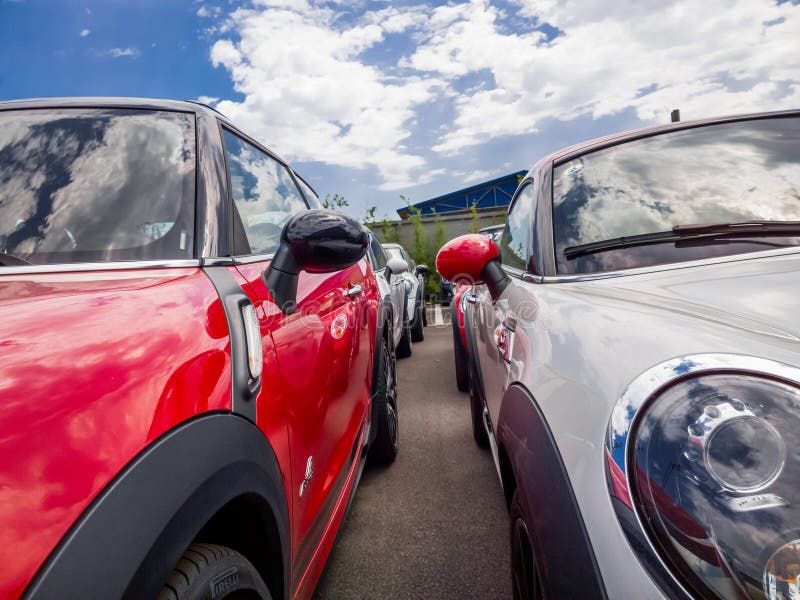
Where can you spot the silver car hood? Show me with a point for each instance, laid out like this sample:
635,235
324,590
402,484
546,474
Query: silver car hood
760,295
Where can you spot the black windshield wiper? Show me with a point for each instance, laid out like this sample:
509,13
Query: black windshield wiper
682,232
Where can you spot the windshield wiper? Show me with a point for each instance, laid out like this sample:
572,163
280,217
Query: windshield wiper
682,232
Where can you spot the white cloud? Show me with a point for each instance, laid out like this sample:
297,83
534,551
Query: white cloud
124,52
309,95
85,32
208,12
311,92
694,54
210,100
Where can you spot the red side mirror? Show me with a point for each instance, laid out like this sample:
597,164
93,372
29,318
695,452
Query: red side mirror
465,257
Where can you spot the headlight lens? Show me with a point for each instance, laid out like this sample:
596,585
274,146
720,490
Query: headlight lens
715,471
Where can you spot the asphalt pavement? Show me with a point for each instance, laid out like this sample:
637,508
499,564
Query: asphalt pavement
433,524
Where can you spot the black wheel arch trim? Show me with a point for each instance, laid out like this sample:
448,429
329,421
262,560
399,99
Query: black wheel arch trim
132,535
560,542
382,328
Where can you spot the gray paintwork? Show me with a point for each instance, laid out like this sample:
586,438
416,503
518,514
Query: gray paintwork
579,342
578,345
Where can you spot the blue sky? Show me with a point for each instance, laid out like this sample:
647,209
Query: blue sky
375,99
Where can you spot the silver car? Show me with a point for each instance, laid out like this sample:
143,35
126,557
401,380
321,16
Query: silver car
415,286
634,363
390,274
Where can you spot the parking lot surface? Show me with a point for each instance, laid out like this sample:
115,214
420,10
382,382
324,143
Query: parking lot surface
434,523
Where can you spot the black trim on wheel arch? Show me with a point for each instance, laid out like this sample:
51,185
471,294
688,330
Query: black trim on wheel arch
384,321
560,542
133,534
243,389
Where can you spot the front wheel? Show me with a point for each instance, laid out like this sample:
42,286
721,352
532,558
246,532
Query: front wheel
460,353
404,345
207,571
476,411
384,448
524,575
417,332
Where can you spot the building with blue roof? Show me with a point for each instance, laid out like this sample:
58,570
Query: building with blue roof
496,193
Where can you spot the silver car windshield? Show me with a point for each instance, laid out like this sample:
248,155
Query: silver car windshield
734,172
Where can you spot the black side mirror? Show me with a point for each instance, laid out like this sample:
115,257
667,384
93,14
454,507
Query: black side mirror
421,270
317,241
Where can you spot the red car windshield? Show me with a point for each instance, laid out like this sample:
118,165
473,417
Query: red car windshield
89,185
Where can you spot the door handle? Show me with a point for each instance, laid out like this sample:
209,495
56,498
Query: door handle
354,291
471,298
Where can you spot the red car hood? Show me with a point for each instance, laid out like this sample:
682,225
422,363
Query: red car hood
95,365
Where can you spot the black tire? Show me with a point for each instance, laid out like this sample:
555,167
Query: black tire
525,581
424,313
476,411
208,571
404,345
417,331
385,446
460,354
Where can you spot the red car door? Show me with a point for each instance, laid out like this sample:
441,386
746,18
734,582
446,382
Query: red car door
323,354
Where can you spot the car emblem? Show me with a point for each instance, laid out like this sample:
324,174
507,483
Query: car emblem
339,326
309,474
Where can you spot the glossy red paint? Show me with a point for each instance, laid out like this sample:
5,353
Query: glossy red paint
324,389
465,256
96,366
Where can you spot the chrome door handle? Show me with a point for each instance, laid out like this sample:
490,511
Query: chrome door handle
354,291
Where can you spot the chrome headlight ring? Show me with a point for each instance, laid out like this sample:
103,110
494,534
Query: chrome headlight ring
674,406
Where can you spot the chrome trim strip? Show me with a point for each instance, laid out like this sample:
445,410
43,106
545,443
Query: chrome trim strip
666,267
628,410
244,260
220,261
100,266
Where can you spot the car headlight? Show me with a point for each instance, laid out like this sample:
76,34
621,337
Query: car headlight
713,465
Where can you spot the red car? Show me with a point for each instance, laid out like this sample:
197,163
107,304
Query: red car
195,364
460,288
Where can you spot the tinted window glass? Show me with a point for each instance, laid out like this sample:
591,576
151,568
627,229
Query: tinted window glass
263,192
378,255
81,185
311,195
723,173
515,239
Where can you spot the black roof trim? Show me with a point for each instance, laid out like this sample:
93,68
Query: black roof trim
106,101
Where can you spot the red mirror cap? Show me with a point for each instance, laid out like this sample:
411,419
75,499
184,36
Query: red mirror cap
465,256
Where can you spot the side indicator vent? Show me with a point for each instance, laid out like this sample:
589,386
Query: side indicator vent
252,332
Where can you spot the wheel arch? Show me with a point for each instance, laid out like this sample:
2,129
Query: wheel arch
182,488
560,541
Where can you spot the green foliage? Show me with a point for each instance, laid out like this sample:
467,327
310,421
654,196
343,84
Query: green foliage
415,218
338,201
369,215
439,232
388,233
474,224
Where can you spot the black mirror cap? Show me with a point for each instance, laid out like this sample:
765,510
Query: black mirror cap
317,241
322,241
422,270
